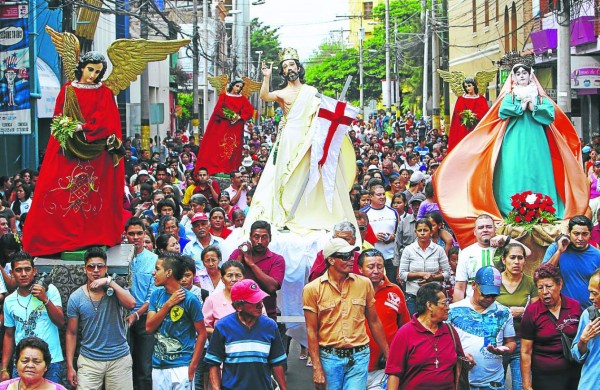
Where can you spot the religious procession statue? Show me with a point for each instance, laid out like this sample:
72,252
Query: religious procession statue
524,143
312,166
221,147
79,195
470,107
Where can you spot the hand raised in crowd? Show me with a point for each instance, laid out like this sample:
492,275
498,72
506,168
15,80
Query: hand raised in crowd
563,243
246,253
99,283
175,298
39,292
498,241
590,331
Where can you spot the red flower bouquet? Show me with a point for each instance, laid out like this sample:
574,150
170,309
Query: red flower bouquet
530,209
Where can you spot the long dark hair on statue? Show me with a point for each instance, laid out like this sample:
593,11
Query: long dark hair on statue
91,57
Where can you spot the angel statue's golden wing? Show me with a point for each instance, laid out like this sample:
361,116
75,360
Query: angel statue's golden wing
67,45
129,58
250,86
219,83
455,79
483,78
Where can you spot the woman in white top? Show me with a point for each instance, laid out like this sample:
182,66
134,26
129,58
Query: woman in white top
422,262
23,202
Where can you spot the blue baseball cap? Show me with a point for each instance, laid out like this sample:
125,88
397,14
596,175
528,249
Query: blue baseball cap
489,280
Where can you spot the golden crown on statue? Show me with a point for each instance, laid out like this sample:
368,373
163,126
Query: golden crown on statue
288,53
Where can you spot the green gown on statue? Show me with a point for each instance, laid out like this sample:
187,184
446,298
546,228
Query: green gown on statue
524,162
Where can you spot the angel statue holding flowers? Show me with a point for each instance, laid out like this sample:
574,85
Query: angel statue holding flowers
82,181
525,143
221,147
470,106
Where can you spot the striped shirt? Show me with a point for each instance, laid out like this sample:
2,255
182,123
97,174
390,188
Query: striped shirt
247,354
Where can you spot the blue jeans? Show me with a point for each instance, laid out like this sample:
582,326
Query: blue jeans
514,360
56,372
411,303
491,386
339,375
141,345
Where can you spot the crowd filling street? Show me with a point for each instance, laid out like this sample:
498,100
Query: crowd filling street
390,302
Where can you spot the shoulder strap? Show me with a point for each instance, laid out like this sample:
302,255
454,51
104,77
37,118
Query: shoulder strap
451,328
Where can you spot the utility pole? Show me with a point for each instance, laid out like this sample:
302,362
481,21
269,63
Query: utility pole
444,62
435,78
361,37
195,110
205,63
425,63
397,54
563,62
145,83
388,90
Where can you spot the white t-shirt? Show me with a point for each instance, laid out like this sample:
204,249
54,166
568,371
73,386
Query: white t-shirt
478,330
241,203
470,260
383,220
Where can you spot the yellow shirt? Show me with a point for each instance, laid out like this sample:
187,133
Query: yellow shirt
340,314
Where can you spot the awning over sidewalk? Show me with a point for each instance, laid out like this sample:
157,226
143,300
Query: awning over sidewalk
49,88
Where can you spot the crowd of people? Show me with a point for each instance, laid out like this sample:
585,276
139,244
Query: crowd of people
422,306
404,309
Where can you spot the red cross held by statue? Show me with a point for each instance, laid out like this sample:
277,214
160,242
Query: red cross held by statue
337,118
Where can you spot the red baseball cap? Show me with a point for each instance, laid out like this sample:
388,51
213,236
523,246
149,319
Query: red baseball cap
199,217
247,290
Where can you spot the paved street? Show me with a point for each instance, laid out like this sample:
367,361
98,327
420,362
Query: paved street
298,375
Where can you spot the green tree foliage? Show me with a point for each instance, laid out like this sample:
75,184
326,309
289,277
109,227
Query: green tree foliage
185,100
266,39
329,68
330,65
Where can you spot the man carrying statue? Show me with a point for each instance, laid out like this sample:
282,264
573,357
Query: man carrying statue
311,168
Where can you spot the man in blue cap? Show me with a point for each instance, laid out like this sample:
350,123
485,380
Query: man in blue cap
485,328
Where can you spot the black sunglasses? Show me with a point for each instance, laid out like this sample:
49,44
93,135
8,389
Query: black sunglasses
343,256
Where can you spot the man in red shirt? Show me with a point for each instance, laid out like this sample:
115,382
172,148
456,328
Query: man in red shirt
266,268
390,306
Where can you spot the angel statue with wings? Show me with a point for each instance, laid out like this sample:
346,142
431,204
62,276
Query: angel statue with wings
221,147
79,195
470,106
